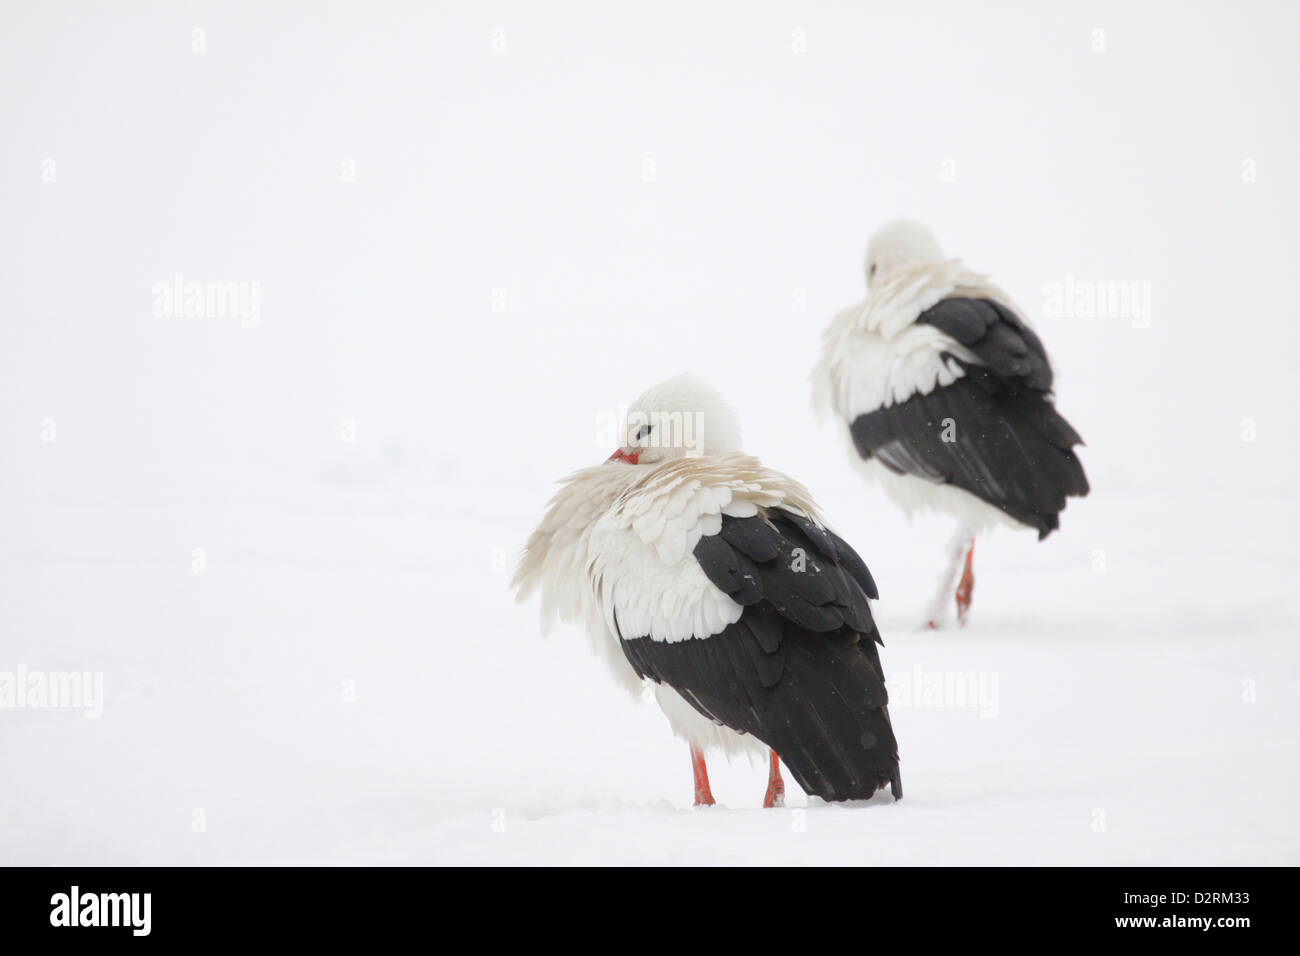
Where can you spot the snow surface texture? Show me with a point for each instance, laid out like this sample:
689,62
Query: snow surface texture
471,246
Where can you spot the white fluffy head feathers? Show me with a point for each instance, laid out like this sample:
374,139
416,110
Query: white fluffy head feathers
683,416
899,242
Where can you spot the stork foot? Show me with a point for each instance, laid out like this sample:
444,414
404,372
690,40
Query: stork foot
965,587
703,795
775,796
938,616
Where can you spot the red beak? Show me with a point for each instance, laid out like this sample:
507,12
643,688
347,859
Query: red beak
621,456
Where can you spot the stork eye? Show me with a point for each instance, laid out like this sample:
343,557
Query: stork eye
643,432
871,273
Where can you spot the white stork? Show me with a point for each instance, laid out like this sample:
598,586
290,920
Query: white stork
947,396
696,568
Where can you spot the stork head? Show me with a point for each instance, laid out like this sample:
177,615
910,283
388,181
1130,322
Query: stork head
681,417
896,243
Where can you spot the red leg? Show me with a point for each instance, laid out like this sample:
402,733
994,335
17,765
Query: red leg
958,552
775,796
965,587
703,796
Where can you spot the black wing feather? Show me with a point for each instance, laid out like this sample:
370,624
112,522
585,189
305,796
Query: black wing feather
994,432
997,336
800,670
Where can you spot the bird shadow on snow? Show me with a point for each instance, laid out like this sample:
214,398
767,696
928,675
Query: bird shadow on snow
544,808
881,798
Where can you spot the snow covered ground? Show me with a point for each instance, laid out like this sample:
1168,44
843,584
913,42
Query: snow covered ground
285,544
470,739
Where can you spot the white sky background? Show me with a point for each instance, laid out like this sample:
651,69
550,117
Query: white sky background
522,170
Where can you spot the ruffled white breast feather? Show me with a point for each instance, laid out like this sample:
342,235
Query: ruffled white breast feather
617,542
873,355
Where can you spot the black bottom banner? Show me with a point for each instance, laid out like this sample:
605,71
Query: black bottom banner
335,906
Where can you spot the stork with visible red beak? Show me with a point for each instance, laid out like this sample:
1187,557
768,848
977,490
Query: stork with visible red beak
946,395
696,568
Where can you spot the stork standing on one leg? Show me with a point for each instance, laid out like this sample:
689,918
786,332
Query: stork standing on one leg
696,568
947,395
